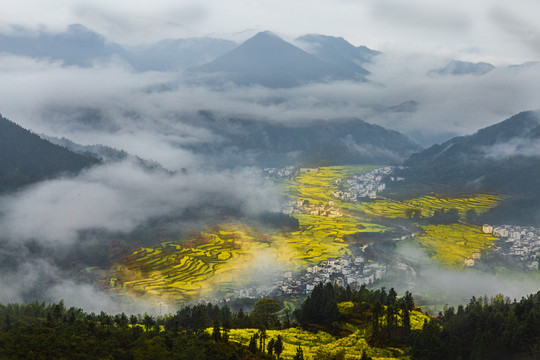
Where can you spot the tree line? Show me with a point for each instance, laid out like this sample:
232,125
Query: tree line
482,329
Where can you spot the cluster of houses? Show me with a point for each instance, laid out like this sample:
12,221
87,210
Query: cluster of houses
305,207
254,292
365,185
348,270
280,173
353,271
469,262
288,172
522,243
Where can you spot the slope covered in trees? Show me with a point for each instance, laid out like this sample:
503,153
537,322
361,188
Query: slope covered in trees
502,158
483,329
316,143
26,158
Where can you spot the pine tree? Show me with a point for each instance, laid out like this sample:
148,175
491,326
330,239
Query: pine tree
270,347
252,347
225,331
278,346
299,354
262,337
216,331
376,311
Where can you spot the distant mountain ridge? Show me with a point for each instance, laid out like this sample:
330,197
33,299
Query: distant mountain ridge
268,60
26,158
177,54
502,158
338,51
263,59
458,68
315,143
105,153
76,46
81,46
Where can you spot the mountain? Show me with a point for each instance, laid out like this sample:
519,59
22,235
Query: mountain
457,68
267,60
105,153
177,54
503,158
76,46
314,143
338,51
81,46
26,158
525,65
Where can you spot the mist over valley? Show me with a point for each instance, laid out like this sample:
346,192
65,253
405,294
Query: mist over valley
146,172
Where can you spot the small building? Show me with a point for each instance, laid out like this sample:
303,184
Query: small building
476,256
488,229
469,262
500,232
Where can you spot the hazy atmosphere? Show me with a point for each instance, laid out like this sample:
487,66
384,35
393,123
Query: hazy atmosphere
179,132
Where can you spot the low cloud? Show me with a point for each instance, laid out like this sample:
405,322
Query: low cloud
518,27
422,16
512,148
150,114
119,196
457,286
42,224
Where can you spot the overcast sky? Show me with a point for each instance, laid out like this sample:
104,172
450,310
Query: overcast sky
496,30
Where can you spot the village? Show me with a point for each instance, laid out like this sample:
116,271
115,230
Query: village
273,174
305,207
345,271
520,243
365,185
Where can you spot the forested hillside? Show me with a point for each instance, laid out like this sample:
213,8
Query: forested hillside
336,323
26,158
503,158
315,143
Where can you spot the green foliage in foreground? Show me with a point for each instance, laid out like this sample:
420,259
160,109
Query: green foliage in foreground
482,330
365,323
88,338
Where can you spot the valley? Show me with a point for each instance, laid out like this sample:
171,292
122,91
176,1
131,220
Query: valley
238,259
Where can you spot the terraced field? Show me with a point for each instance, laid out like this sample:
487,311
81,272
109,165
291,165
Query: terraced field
427,204
181,271
452,244
222,257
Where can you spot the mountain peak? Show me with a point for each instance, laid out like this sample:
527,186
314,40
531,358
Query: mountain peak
268,60
265,34
338,51
459,68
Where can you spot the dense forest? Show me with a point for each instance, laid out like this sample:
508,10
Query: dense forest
26,158
483,329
